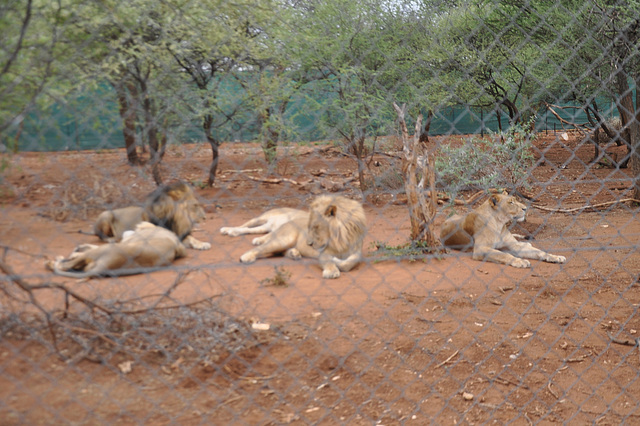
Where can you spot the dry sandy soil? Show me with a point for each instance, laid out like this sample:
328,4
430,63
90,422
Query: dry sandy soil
441,339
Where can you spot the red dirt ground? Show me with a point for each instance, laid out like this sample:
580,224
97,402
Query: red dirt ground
441,339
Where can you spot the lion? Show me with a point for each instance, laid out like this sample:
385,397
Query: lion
148,246
485,230
111,224
267,222
173,207
333,232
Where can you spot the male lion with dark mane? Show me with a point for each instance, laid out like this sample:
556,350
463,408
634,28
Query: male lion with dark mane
332,232
173,207
148,246
485,231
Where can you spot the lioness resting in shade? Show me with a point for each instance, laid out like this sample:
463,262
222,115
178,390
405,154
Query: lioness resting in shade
148,246
485,231
332,232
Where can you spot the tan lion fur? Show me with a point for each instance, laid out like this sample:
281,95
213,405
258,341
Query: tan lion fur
148,246
174,207
484,230
267,222
111,224
333,232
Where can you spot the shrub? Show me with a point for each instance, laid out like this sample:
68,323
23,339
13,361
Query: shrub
500,161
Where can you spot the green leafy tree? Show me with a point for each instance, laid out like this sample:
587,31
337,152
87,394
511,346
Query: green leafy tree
124,43
366,53
219,45
30,32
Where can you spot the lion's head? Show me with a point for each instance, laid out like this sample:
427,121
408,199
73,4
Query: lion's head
508,207
174,207
336,225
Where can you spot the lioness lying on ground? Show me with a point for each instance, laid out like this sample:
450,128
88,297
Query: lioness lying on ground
332,232
485,230
173,207
148,246
111,224
267,222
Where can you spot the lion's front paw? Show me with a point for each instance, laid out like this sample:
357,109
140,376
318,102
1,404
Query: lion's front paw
200,245
248,257
330,271
257,241
330,274
520,263
293,253
196,244
224,230
552,258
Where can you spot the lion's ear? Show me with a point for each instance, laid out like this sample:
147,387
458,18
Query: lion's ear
494,200
330,211
505,192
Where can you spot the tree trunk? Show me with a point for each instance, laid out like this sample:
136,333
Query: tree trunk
627,114
128,115
424,134
416,162
514,114
635,142
207,125
270,141
358,151
151,130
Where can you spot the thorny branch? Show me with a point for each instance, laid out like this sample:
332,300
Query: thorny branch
94,328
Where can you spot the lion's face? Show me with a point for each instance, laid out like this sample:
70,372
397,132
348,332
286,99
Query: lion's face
193,209
336,225
508,206
319,230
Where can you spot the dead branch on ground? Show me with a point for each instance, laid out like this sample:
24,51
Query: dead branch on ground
109,323
592,207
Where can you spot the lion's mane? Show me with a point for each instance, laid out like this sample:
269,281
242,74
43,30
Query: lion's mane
174,207
344,224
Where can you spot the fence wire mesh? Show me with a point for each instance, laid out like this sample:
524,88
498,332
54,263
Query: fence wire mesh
271,104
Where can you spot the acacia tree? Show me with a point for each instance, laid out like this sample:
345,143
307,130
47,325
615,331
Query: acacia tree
587,50
367,56
123,43
616,27
218,46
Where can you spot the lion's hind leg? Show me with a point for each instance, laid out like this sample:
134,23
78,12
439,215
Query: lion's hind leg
103,227
253,226
282,240
260,240
82,248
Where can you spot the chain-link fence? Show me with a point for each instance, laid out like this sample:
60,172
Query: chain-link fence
413,334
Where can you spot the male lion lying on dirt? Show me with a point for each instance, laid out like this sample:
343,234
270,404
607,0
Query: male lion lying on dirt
267,222
332,232
149,246
173,207
485,229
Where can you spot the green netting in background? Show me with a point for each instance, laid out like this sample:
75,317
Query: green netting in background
92,122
